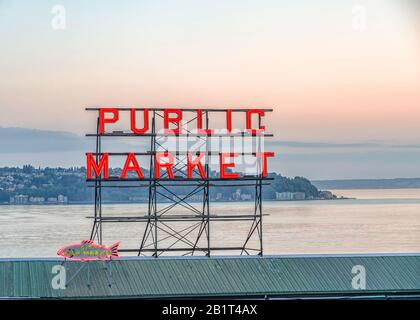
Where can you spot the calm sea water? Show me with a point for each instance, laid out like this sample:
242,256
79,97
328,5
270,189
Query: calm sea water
378,221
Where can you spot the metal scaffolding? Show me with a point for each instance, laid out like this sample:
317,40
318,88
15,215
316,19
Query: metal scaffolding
165,231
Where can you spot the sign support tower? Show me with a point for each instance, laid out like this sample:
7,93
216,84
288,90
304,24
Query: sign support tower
166,231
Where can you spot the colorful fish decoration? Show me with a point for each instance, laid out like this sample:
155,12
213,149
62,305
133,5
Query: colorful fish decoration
87,250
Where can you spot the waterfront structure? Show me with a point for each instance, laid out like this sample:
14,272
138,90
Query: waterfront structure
25,199
165,231
36,200
19,199
62,199
327,195
288,196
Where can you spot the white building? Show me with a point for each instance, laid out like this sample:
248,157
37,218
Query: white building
288,196
36,200
62,199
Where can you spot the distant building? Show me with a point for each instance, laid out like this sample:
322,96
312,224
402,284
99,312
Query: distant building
246,196
195,197
52,200
62,199
236,195
19,199
284,196
289,196
298,195
326,195
137,199
36,200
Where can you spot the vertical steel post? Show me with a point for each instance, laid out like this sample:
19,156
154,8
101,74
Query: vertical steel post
207,188
260,233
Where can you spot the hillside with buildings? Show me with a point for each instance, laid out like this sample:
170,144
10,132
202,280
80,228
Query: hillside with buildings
29,185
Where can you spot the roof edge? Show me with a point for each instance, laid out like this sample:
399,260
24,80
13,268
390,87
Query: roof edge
280,256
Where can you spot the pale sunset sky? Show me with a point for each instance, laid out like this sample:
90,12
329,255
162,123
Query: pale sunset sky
343,77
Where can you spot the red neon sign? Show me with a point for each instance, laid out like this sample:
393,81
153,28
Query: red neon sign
173,124
173,117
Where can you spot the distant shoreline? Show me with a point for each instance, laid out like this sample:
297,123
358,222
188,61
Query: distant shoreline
397,183
127,202
372,188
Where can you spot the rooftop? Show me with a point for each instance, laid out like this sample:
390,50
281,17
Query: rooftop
387,275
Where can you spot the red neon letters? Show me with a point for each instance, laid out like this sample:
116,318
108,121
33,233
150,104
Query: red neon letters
249,121
175,123
98,168
264,156
132,164
224,165
103,119
167,165
173,117
165,160
200,123
145,122
195,163
169,118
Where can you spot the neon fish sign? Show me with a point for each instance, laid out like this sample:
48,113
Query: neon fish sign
87,250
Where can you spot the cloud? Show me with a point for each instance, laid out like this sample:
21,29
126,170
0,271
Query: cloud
17,140
300,144
23,140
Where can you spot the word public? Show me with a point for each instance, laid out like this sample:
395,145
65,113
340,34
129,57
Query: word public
174,117
98,165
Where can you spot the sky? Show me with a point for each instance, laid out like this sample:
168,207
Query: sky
343,77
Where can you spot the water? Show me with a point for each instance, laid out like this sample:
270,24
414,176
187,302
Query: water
379,221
